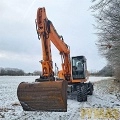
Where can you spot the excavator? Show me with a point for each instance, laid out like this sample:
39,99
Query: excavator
49,93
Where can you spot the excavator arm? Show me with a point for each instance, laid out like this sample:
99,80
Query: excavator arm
47,33
43,30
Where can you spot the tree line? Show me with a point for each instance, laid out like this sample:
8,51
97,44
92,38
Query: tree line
11,72
106,71
16,72
107,16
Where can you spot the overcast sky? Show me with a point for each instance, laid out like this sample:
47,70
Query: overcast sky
19,45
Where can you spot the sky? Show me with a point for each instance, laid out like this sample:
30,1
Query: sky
19,44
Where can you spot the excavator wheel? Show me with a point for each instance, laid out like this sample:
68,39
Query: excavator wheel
82,93
43,96
90,88
79,94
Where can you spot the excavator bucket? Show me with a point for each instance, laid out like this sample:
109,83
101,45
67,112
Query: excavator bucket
43,96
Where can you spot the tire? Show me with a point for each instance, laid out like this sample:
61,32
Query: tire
90,88
82,93
79,94
85,88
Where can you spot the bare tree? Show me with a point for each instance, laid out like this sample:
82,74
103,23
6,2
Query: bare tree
108,31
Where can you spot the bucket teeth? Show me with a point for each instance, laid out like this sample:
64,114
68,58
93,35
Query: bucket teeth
43,96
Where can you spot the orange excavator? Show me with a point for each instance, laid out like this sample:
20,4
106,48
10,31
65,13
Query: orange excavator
48,93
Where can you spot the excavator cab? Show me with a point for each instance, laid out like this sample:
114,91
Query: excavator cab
79,67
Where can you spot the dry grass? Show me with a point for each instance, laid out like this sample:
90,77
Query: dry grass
109,86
